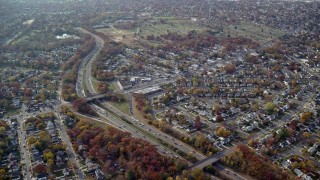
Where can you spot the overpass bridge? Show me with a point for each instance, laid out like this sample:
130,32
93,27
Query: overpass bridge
210,160
98,97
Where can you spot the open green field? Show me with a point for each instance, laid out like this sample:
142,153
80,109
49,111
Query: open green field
156,26
259,33
180,26
123,107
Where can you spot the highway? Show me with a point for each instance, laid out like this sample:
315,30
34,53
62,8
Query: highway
113,116
134,130
229,173
210,160
87,62
159,134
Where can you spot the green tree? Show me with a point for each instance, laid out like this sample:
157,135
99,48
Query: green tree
32,140
130,175
2,130
269,106
2,174
48,155
40,126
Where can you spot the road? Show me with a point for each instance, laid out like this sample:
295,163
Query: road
89,85
72,155
86,64
161,135
211,125
22,136
134,125
134,130
227,172
210,160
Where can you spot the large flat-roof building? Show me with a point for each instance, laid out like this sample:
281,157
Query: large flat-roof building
147,91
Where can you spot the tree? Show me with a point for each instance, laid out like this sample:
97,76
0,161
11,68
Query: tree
40,126
230,68
32,140
252,142
82,106
130,175
215,89
2,174
40,168
217,108
103,87
197,123
223,132
78,103
181,119
2,130
48,155
306,135
219,118
305,116
269,106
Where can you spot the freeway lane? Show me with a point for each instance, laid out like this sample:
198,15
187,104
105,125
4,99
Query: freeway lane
209,160
86,63
136,132
161,135
88,77
88,80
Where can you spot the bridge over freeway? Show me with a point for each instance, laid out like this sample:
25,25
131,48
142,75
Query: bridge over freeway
98,97
210,160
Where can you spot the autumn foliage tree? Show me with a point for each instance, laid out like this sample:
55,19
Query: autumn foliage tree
103,87
223,132
305,116
197,123
247,161
70,69
40,169
230,68
81,105
138,158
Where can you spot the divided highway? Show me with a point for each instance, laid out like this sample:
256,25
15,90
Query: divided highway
128,123
84,74
84,70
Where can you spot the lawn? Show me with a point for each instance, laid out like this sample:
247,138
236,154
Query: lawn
113,86
123,107
13,112
159,116
137,36
180,26
258,33
97,123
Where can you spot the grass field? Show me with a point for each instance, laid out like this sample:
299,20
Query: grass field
162,25
258,33
180,26
136,36
113,86
123,107
96,123
13,112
